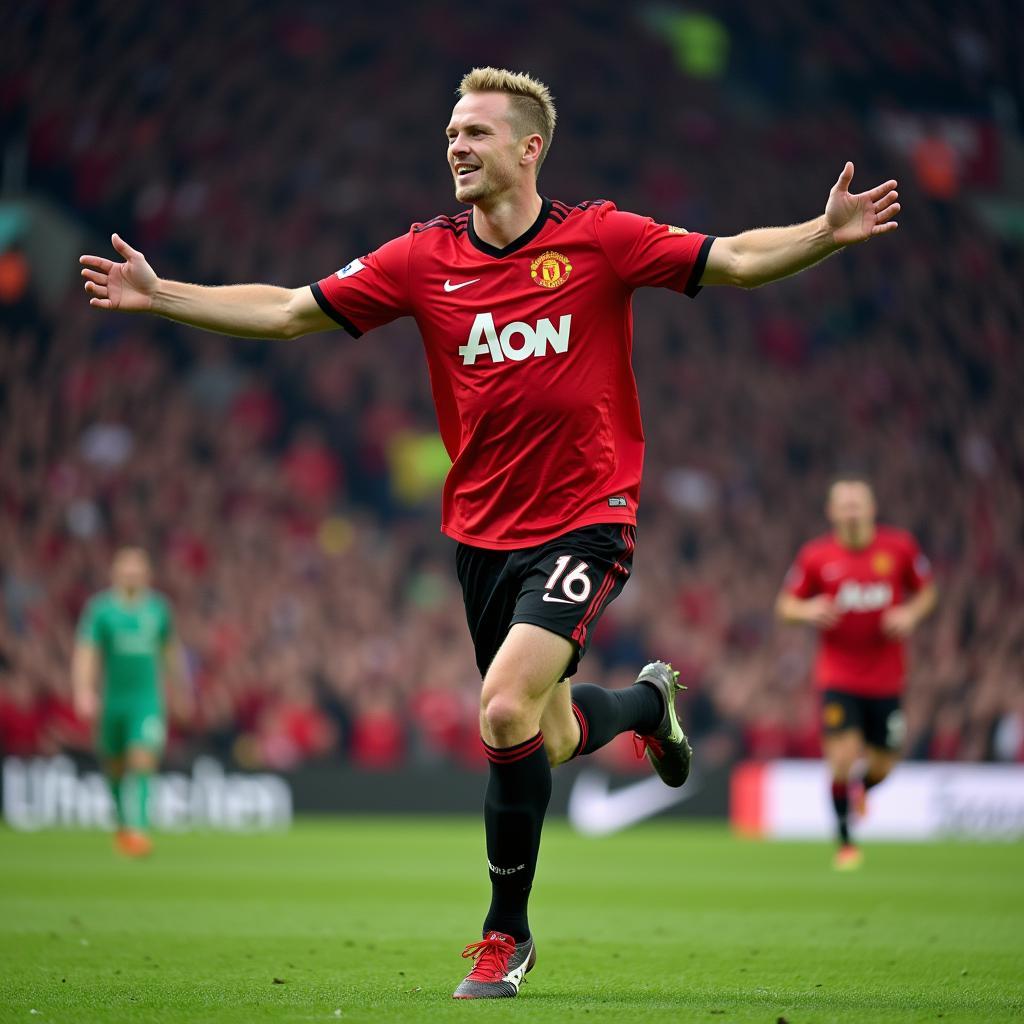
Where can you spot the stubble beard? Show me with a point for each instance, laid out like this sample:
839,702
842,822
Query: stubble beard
493,184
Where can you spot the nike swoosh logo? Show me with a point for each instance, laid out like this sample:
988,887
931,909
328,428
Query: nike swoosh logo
596,811
556,600
516,977
449,287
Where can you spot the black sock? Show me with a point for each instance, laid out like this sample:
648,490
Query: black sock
841,802
602,714
514,805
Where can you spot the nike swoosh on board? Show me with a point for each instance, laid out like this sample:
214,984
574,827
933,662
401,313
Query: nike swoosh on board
596,811
449,287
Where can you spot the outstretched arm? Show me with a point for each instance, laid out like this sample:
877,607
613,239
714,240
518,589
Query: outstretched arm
245,310
756,257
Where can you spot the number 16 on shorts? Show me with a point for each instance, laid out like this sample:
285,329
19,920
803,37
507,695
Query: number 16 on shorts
568,587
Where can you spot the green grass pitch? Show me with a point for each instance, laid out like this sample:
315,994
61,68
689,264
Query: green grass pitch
364,920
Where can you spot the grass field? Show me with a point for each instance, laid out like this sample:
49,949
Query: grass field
364,920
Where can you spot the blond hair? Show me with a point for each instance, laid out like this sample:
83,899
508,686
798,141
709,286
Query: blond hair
531,107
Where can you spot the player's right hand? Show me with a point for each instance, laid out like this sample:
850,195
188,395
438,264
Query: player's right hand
128,286
821,612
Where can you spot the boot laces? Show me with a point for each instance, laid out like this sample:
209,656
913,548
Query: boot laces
491,955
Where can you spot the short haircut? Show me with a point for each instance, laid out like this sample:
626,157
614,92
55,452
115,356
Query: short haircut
531,108
850,477
131,550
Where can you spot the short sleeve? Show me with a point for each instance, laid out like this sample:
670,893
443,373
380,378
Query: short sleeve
370,291
917,571
645,253
802,579
88,631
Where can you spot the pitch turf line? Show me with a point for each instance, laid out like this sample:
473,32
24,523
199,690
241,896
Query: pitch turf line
667,922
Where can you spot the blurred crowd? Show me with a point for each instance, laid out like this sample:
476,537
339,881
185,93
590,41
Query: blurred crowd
287,491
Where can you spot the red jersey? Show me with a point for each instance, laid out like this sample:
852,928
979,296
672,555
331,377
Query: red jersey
855,656
528,349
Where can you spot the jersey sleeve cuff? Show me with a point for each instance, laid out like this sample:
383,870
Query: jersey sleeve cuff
338,318
693,285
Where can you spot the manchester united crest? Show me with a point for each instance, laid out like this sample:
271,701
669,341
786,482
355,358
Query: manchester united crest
882,563
550,269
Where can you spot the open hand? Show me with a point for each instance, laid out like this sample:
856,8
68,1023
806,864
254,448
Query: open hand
127,286
858,217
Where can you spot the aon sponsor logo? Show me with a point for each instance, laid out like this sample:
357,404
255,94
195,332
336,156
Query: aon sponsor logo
863,597
516,341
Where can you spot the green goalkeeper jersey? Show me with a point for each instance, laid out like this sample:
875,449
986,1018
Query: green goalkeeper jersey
130,637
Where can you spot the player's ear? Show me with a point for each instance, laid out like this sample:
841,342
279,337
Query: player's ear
533,146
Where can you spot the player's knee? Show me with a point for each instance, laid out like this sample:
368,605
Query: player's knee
505,719
879,768
843,751
842,766
140,760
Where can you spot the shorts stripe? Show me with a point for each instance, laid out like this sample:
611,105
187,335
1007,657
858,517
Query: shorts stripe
579,634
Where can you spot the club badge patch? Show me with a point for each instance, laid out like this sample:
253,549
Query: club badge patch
882,563
550,269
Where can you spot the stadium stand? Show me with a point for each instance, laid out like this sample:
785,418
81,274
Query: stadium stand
313,591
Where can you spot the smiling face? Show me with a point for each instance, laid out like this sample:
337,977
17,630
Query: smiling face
486,156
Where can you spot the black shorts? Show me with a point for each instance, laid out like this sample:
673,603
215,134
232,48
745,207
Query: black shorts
878,719
563,586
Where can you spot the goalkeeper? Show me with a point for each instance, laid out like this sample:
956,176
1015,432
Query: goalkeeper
126,636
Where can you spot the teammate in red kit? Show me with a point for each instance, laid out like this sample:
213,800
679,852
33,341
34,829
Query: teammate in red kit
523,304
866,588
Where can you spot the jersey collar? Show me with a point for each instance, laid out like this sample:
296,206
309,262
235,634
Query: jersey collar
514,246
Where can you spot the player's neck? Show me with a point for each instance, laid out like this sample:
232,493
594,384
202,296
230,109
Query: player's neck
500,223
856,540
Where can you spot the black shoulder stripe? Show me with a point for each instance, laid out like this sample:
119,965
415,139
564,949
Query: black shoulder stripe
460,220
456,229
338,318
693,285
588,203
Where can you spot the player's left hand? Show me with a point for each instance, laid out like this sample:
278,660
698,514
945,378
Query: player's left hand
858,217
898,622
